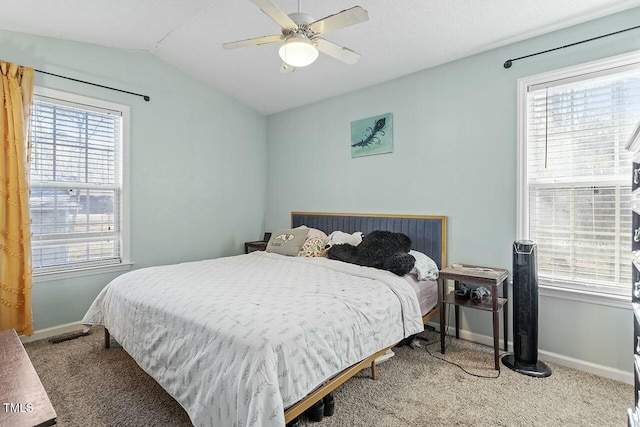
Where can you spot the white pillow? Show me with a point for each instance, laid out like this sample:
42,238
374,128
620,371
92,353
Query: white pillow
425,268
340,237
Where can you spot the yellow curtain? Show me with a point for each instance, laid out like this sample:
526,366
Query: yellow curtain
16,89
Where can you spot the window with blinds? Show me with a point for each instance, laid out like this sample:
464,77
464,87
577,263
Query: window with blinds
76,185
578,178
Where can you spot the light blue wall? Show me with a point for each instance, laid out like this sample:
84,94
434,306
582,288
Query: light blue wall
454,154
198,161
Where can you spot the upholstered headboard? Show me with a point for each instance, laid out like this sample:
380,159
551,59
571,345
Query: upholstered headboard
428,233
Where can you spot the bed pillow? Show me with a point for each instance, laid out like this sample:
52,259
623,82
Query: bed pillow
340,237
313,247
313,232
425,268
287,242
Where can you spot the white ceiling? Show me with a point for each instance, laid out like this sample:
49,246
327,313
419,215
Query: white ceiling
401,37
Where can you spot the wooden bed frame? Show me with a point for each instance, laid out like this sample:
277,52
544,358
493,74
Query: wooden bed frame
399,224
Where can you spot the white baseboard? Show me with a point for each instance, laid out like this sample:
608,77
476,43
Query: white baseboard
548,356
583,365
52,332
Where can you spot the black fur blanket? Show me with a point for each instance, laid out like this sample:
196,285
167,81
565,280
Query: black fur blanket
385,250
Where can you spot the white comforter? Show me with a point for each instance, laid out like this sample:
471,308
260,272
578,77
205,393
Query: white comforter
236,340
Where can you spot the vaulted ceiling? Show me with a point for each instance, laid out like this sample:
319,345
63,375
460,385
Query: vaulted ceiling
400,37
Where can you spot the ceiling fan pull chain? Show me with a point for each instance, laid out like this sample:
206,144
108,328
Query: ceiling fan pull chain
299,7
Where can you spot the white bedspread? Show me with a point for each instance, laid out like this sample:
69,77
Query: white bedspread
236,340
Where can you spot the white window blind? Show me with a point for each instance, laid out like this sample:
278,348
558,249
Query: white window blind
579,179
76,185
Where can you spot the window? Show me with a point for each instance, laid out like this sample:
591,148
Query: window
79,213
575,174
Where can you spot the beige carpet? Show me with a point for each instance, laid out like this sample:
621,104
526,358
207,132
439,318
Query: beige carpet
93,387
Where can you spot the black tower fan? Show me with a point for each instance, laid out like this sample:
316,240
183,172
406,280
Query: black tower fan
525,313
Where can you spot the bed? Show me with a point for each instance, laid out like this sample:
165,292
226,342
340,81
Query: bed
427,233
256,339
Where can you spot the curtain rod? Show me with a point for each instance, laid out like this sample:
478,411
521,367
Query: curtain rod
509,62
145,97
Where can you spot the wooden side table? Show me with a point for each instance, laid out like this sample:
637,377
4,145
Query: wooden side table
492,278
23,399
259,245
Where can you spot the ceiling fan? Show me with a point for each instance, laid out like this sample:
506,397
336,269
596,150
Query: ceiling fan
300,36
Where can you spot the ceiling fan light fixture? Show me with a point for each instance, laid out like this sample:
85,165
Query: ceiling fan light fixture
298,51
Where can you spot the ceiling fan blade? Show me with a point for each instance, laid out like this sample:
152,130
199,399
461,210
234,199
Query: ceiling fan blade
343,54
286,68
352,16
275,13
253,42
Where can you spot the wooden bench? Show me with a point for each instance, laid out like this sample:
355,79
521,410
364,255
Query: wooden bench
23,400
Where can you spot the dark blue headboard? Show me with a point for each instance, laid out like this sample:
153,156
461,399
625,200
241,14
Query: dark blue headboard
428,234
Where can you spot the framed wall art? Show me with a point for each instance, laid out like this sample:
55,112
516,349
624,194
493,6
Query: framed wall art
373,135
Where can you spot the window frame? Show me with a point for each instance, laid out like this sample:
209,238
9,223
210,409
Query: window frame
125,263
575,293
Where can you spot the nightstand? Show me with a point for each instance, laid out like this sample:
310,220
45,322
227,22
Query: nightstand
259,245
492,278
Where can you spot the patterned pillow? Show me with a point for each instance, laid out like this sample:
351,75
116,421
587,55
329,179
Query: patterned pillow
287,242
313,232
313,247
425,268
